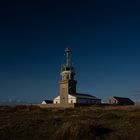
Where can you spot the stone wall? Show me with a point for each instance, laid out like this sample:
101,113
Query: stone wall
57,105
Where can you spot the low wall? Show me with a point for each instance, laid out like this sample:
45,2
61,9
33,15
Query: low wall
56,105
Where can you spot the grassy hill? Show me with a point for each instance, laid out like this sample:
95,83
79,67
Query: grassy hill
81,123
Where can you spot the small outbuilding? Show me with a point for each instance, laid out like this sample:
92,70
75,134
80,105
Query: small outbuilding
47,102
120,101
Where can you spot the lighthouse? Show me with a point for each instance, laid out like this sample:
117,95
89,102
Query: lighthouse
67,81
68,95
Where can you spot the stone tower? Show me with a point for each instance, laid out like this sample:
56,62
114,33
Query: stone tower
67,82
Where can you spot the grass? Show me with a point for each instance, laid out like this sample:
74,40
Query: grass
81,123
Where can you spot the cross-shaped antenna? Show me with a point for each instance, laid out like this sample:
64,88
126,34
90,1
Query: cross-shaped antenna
67,53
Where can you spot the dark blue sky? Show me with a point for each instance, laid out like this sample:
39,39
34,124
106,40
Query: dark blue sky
104,37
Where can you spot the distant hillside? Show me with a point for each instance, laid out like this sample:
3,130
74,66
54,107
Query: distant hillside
14,103
81,123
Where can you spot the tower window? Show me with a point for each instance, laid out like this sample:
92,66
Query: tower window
67,68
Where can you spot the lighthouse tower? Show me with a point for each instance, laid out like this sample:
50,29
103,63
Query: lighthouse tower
67,82
68,96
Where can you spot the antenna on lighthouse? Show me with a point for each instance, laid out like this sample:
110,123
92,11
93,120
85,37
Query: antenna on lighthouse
67,53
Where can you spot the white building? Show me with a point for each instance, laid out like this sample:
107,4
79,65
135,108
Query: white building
79,98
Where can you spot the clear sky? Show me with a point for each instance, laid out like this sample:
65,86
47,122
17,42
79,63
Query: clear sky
104,36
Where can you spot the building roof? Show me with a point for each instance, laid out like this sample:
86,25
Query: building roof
81,95
123,99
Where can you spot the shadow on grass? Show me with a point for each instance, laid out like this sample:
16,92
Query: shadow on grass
72,131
